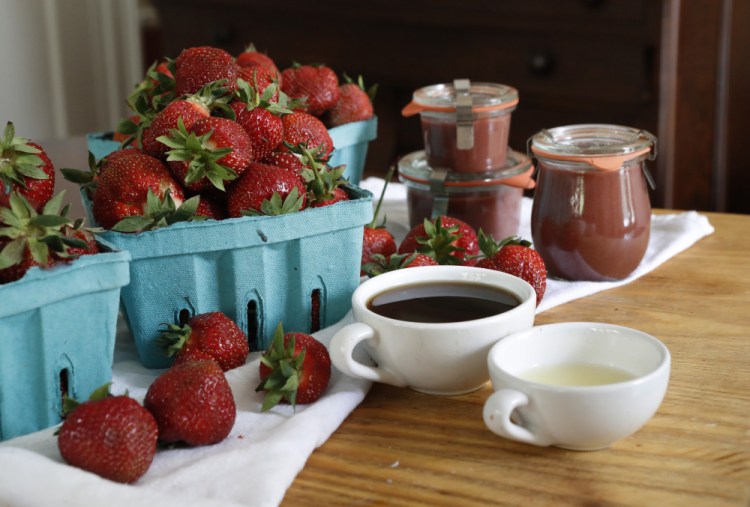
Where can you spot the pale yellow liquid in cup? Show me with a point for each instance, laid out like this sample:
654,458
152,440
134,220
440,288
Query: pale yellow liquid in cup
575,374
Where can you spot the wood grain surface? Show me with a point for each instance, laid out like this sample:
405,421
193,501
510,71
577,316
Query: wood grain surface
400,447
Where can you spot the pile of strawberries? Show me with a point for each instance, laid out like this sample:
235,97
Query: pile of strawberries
448,240
191,403
35,229
217,136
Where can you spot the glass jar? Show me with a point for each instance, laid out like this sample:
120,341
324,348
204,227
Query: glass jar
465,125
591,215
490,201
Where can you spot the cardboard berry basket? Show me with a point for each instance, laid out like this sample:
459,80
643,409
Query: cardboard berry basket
299,269
57,333
350,142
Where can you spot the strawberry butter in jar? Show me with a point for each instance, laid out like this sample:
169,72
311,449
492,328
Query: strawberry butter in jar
465,125
490,201
591,215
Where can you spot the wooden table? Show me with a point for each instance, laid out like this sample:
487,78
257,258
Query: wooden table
400,447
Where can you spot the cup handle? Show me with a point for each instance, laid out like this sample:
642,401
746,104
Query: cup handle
497,412
341,350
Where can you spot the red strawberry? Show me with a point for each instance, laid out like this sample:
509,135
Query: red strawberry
266,189
446,239
285,159
319,85
418,259
192,402
189,110
207,336
77,231
303,128
123,188
515,256
261,118
380,263
211,208
251,58
123,134
323,183
259,79
29,239
24,168
212,152
338,194
354,104
156,90
376,240
198,66
111,436
296,368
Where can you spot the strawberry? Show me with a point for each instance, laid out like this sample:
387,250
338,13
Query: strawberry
211,208
90,178
198,66
188,110
266,189
260,117
446,239
156,90
24,168
123,188
338,194
318,84
296,369
514,256
252,58
160,212
354,104
285,159
303,128
29,239
192,403
213,152
111,436
259,79
380,263
206,336
376,239
323,183
77,231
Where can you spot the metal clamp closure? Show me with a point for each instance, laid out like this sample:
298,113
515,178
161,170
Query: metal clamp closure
437,189
464,114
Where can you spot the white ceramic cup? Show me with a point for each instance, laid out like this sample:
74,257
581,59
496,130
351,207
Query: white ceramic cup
575,417
434,358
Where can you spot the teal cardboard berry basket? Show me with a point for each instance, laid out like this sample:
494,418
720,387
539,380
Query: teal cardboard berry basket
57,334
350,142
299,269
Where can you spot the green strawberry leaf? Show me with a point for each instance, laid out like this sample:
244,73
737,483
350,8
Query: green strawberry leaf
12,253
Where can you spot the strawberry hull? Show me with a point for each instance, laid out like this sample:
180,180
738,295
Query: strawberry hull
259,271
57,326
350,142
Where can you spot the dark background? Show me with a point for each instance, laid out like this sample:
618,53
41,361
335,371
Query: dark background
677,68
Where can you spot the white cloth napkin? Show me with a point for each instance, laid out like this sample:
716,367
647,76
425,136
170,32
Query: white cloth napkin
670,235
256,464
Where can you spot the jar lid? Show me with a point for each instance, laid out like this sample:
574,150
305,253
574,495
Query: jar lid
446,97
414,170
605,147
